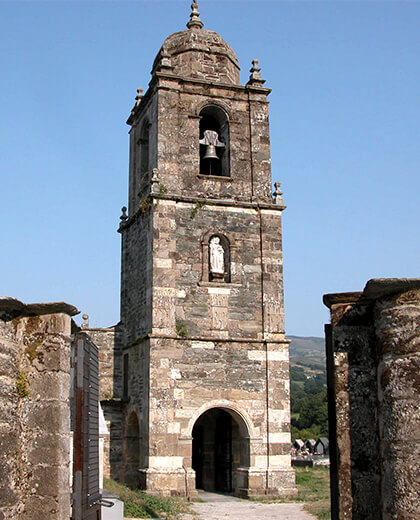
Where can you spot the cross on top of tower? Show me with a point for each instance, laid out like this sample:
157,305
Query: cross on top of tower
195,21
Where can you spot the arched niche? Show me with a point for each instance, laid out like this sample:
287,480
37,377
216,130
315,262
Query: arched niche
215,119
228,247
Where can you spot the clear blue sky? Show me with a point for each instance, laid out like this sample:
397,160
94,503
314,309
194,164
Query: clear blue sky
344,131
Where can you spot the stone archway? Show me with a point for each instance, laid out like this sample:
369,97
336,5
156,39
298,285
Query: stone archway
220,448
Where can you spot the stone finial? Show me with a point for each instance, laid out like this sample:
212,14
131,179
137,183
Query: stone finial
255,78
165,59
124,216
139,96
155,188
85,324
277,194
195,22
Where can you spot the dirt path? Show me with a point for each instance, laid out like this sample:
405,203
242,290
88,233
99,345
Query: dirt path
223,507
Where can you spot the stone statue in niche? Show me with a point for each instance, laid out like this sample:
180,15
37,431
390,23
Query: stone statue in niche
217,258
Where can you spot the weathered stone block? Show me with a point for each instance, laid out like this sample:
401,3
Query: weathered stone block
49,417
400,420
49,447
400,377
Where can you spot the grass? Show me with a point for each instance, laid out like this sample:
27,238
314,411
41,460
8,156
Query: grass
313,486
138,504
314,489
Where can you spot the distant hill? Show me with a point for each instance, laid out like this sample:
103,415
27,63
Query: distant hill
308,353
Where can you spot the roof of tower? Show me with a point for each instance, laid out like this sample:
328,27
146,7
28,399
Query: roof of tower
198,53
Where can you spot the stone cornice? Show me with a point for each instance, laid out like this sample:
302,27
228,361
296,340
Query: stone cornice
36,309
208,84
212,339
155,83
374,289
208,202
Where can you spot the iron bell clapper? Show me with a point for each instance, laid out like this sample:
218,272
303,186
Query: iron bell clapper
211,152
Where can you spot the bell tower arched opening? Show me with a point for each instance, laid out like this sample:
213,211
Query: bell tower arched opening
220,446
214,142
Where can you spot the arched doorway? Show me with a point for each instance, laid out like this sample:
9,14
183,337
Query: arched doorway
131,449
220,446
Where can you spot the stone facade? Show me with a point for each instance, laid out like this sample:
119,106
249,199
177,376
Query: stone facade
373,361
204,360
35,410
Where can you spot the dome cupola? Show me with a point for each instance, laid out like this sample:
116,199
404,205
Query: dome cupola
198,53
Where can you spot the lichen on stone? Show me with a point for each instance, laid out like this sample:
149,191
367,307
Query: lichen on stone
22,389
31,349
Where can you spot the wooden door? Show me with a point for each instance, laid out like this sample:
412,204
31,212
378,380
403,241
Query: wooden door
86,494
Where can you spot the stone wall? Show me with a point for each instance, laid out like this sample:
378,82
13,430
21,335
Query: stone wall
373,357
136,277
139,179
182,292
107,341
211,344
35,410
178,113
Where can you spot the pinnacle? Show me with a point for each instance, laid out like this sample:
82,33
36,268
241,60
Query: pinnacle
195,22
255,78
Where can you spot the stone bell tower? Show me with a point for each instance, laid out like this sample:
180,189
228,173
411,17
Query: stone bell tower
205,363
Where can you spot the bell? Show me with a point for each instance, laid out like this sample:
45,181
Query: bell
211,152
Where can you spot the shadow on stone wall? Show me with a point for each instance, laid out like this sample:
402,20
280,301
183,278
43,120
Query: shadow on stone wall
373,364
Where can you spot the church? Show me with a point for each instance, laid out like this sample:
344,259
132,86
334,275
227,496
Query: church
199,394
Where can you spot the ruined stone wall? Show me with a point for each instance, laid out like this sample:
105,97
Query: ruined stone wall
397,328
9,421
355,395
34,410
374,360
